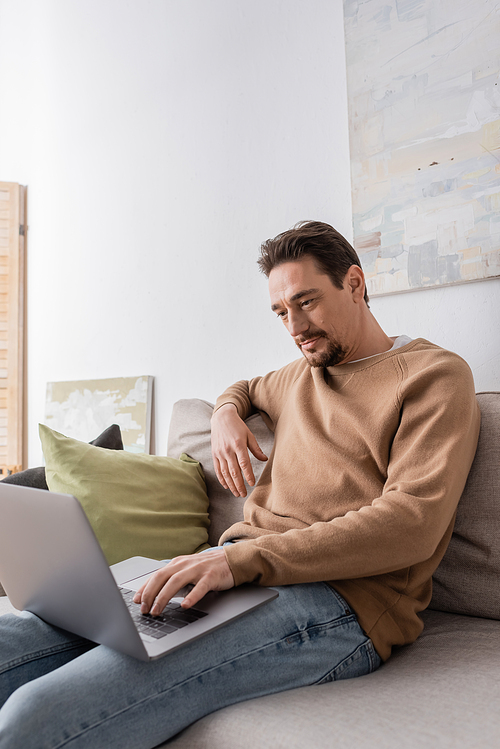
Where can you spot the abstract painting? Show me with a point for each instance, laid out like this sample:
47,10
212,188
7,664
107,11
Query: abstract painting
423,80
83,409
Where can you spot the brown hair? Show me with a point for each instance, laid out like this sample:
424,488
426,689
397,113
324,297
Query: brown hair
331,252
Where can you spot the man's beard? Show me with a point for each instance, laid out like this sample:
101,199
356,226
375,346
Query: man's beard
335,353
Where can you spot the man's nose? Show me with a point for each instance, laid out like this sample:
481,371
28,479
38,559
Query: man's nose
297,322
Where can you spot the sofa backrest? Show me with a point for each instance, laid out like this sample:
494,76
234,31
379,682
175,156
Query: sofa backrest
466,581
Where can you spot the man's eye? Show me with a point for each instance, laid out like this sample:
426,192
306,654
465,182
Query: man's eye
281,315
306,301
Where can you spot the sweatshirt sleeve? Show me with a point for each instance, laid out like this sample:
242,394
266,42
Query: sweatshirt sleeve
429,460
239,395
265,394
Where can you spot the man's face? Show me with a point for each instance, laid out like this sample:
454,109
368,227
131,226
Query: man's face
320,317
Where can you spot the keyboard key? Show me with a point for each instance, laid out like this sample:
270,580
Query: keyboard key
177,623
166,629
173,617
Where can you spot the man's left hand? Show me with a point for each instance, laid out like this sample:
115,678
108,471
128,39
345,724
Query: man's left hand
206,571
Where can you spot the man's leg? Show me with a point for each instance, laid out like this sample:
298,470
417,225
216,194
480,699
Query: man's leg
30,648
105,699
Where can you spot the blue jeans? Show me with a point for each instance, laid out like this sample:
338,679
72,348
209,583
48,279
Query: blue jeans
58,690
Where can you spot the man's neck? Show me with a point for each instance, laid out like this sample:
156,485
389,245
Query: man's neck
372,340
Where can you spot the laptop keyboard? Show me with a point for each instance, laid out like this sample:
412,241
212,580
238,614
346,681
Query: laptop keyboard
172,618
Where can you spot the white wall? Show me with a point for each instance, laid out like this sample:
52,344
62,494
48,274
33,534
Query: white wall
161,142
463,318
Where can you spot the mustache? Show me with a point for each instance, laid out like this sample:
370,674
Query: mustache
309,336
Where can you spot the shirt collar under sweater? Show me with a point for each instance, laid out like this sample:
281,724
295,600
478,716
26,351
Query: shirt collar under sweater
399,342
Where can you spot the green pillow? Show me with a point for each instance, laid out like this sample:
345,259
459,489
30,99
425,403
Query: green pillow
138,505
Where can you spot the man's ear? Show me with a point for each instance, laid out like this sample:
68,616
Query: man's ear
356,282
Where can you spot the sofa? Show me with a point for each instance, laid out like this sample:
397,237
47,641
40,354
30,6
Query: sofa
442,691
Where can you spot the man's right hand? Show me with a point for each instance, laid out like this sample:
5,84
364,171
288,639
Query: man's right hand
231,441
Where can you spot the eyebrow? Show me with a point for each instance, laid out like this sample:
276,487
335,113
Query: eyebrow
296,296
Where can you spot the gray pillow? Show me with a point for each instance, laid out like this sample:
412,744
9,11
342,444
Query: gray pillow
111,439
466,581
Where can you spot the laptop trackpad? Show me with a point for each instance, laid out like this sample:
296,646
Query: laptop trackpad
130,570
134,572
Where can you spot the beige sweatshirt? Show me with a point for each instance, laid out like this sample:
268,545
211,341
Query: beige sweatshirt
362,485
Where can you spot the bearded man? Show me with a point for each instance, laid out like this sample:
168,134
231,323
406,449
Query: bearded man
374,438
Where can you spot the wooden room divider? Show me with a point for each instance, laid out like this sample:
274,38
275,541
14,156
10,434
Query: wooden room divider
12,320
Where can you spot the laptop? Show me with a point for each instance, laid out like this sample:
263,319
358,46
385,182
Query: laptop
52,565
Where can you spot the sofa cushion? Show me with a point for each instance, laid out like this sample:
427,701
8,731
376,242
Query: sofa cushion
137,504
111,439
466,581
190,433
